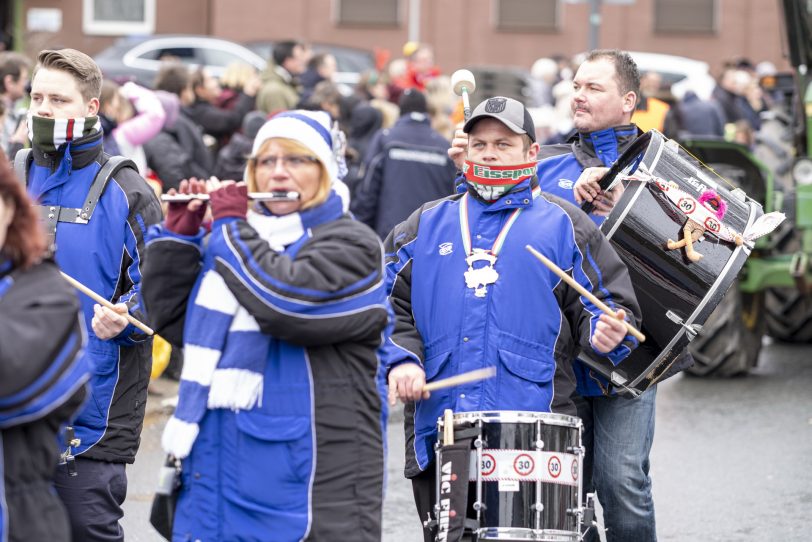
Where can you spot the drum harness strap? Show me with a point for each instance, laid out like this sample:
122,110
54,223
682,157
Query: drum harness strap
51,215
453,468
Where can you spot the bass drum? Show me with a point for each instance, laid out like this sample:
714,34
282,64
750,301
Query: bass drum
675,294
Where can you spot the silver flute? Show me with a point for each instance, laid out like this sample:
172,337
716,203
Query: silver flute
254,196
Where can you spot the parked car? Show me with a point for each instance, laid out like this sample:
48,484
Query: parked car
139,58
350,61
678,73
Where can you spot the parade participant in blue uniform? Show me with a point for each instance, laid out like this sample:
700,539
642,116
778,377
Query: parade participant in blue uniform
618,432
96,224
281,414
42,373
467,294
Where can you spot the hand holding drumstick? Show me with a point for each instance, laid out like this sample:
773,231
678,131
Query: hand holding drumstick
612,327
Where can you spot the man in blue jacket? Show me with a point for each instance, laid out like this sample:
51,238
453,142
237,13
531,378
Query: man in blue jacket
618,432
466,293
97,231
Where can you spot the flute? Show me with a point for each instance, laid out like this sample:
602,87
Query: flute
254,196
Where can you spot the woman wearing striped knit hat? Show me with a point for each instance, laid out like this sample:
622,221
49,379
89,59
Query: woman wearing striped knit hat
281,413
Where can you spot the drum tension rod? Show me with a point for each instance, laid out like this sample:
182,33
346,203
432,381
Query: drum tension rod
692,330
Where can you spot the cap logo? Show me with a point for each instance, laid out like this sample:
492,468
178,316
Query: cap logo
495,105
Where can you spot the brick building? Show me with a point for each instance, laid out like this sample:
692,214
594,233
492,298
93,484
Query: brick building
464,32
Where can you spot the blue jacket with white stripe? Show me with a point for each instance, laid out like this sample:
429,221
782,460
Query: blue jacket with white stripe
307,463
528,325
104,255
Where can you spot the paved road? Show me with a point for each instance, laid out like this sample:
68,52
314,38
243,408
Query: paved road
731,459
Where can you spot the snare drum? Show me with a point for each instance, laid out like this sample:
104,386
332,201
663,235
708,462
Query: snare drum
525,481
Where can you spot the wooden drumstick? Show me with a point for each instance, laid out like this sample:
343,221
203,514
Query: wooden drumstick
584,292
101,301
471,376
448,427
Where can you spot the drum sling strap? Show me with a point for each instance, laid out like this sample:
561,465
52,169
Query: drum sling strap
51,215
452,498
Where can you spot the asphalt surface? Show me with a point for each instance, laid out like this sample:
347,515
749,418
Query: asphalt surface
732,459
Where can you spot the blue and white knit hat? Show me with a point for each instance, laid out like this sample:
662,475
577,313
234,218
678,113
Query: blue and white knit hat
312,129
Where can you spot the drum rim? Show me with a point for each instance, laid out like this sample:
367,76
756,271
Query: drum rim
518,416
523,533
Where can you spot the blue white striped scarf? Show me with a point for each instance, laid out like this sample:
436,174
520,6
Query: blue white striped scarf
224,350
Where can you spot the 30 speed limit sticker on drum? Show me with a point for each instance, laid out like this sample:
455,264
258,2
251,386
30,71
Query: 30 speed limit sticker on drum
526,465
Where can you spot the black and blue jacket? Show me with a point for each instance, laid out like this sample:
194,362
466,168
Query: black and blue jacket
43,381
307,463
105,255
529,324
558,169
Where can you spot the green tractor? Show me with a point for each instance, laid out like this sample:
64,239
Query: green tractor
773,294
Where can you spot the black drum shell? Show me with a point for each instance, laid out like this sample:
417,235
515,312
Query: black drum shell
672,291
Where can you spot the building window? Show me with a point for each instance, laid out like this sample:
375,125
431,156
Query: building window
685,16
367,12
118,17
526,15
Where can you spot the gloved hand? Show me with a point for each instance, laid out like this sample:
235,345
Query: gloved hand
229,199
186,218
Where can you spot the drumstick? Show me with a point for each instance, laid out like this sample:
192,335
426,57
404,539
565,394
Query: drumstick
584,292
448,427
101,301
471,376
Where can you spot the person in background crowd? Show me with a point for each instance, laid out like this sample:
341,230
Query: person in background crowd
651,111
364,123
217,122
280,87
232,158
178,151
406,166
420,67
693,116
325,97
130,115
14,71
442,103
235,78
281,312
41,338
103,253
322,67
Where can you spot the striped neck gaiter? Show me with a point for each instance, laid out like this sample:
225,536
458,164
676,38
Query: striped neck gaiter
49,134
492,182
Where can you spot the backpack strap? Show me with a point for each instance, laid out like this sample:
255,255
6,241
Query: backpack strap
22,160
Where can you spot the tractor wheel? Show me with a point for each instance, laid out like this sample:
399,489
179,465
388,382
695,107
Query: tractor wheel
789,315
787,311
730,340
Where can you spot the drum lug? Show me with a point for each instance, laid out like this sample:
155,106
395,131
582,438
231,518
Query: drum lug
692,330
478,506
539,444
478,443
577,450
539,507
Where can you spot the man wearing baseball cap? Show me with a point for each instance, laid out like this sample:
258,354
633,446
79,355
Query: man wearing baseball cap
467,295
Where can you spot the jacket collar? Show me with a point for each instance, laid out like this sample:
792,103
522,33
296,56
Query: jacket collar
83,152
602,147
520,196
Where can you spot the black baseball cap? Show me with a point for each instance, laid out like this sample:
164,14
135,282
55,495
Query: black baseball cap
508,111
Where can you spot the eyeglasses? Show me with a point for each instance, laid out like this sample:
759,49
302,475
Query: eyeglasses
292,162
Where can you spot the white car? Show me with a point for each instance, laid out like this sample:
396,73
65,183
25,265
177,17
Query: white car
140,58
679,73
